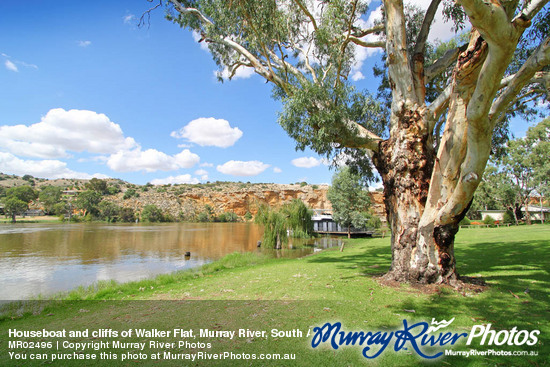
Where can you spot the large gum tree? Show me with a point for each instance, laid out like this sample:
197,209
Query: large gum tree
431,145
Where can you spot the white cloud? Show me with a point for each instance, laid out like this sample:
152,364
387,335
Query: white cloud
61,131
180,179
11,66
197,37
243,72
306,162
240,168
376,186
203,174
84,43
277,170
209,132
357,76
150,160
40,168
440,29
206,164
128,19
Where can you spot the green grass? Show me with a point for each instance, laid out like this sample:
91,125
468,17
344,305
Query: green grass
259,293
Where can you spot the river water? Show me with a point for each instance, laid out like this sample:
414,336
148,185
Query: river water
50,258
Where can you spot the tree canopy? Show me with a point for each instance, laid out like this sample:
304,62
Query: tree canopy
431,136
350,199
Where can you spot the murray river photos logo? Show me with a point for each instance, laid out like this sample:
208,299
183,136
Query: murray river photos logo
422,338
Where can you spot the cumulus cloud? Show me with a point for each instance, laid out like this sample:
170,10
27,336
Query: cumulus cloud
61,131
209,132
240,168
306,162
174,180
84,43
203,174
40,168
243,72
277,170
150,160
11,66
440,29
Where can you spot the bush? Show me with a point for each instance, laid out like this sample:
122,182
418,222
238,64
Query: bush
465,222
508,217
152,213
488,220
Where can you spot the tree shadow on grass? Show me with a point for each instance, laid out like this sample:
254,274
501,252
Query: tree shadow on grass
518,293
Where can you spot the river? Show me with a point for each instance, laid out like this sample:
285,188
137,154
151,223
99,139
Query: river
44,259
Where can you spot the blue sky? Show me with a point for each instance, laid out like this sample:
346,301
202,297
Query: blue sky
85,92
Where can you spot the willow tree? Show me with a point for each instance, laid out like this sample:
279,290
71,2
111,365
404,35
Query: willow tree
307,49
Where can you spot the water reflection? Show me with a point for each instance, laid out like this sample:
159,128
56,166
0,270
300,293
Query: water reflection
48,258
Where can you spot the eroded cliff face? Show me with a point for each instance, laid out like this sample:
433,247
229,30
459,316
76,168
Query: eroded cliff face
227,197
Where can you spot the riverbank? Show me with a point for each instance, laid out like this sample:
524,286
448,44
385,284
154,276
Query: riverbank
247,291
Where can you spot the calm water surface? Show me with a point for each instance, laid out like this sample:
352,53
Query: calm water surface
49,258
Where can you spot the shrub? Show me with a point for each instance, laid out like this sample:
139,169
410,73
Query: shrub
465,222
508,217
488,220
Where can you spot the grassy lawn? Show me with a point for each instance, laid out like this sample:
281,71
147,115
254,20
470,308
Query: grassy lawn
251,292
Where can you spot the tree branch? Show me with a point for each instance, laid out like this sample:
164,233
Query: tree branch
364,32
307,13
443,63
532,9
373,44
417,60
491,21
538,59
399,70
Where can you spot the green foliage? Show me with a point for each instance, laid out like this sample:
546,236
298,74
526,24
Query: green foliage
98,185
228,217
60,208
152,213
113,189
488,220
130,193
23,193
465,222
248,216
350,199
207,214
14,206
292,219
127,215
88,201
108,211
275,229
508,217
50,196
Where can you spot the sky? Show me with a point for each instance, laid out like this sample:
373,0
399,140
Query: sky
86,93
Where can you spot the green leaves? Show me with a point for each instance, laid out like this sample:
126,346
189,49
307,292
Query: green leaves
350,199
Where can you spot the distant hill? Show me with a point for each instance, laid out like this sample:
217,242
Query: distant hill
220,196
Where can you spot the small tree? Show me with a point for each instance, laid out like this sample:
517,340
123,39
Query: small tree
13,206
23,193
88,201
152,213
50,196
127,215
292,219
95,184
350,199
108,211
